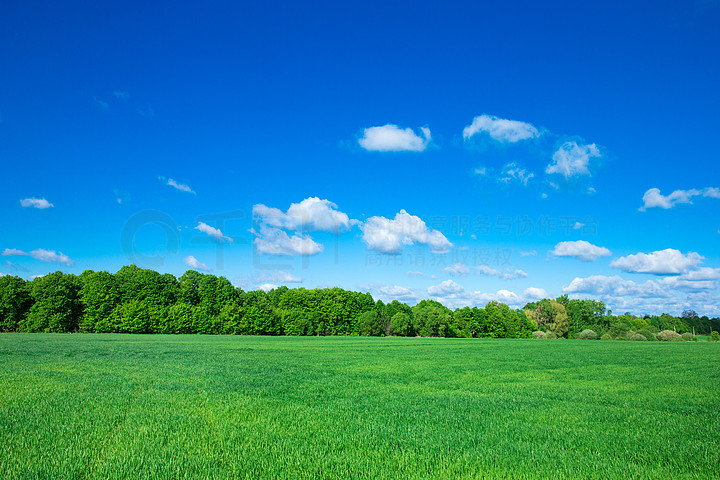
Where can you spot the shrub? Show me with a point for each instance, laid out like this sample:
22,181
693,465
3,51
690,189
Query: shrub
606,336
587,335
638,337
715,336
540,335
648,334
669,336
551,336
688,337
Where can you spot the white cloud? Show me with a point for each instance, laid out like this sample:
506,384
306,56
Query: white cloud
121,94
653,198
500,129
615,286
702,274
448,288
391,138
535,293
389,236
195,264
513,173
413,273
179,186
273,241
512,299
40,203
662,262
572,159
504,274
41,254
279,276
581,250
578,226
310,214
266,287
531,253
457,270
213,232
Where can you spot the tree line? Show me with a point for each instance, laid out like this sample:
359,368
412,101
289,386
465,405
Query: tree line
136,300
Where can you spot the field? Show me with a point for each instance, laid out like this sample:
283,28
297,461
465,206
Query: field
123,406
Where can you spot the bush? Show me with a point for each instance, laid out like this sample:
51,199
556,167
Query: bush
688,337
551,336
638,338
606,336
669,336
715,336
587,335
648,334
539,335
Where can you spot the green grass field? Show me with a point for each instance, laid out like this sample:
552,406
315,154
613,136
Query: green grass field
122,406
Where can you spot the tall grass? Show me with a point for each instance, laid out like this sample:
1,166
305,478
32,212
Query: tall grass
135,407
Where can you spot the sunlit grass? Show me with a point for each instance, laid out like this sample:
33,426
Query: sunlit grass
121,406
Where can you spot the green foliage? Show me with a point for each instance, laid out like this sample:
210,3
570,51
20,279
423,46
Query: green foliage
688,337
606,336
650,336
637,337
15,302
56,304
539,334
587,335
669,336
371,323
715,336
401,324
551,316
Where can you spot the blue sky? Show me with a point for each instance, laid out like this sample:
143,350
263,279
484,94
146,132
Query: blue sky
462,152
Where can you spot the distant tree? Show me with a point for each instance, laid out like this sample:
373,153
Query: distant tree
56,306
400,324
550,315
371,323
99,296
15,302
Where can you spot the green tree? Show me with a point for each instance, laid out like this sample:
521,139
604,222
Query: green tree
15,302
56,306
99,296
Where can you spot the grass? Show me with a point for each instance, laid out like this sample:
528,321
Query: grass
135,407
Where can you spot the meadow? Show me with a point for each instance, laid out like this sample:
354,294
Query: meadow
192,406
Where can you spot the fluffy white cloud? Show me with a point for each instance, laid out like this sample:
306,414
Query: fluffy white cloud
40,203
213,232
535,293
273,241
662,262
391,138
615,286
653,197
41,254
512,299
448,288
176,185
508,274
389,236
195,264
457,270
572,159
500,129
266,287
580,249
310,214
279,276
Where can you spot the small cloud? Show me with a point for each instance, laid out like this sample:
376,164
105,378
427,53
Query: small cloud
581,250
40,203
508,274
445,289
513,173
572,159
457,270
213,232
535,293
391,138
195,264
41,254
500,129
310,214
176,185
578,226
390,236
279,277
531,253
121,95
661,262
481,171
653,197
591,190
266,287
412,273
100,105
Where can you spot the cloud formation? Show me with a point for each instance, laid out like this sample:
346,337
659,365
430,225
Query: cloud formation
581,250
391,138
279,276
40,203
311,214
390,236
507,274
273,241
653,198
41,254
195,264
661,262
500,129
572,159
213,232
176,185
